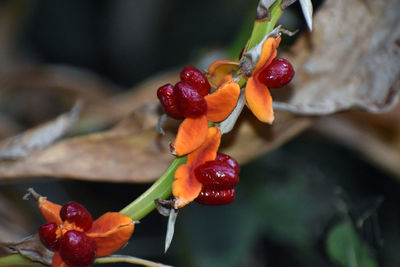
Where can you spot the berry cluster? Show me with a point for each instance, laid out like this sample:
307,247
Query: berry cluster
279,73
218,177
76,249
186,98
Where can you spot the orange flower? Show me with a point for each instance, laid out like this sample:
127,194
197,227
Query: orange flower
186,187
193,131
109,232
258,97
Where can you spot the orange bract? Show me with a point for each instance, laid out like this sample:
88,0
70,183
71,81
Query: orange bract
191,134
186,187
193,131
110,231
258,97
222,102
49,210
57,261
219,69
259,100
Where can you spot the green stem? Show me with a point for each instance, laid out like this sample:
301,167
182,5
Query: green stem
262,28
162,188
17,260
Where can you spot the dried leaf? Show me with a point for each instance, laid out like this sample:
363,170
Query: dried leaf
32,248
352,60
251,138
262,9
376,136
307,8
40,137
99,157
173,214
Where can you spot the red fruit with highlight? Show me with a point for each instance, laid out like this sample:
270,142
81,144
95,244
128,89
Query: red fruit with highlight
228,159
279,73
189,101
216,175
167,99
76,213
76,249
48,235
194,77
209,196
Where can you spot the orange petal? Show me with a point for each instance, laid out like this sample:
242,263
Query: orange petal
219,69
191,134
186,187
222,102
208,150
57,261
268,53
259,100
110,232
49,210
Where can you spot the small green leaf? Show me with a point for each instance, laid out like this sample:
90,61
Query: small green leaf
346,248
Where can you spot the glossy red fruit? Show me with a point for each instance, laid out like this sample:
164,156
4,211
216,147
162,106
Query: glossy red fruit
279,73
189,101
166,96
76,249
194,77
228,159
48,235
209,196
216,175
76,213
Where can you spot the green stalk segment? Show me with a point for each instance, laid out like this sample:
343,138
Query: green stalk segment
262,28
17,260
162,188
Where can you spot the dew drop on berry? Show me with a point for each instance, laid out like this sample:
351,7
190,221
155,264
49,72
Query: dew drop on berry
228,159
167,99
209,196
189,101
48,235
279,73
74,212
216,175
194,77
77,249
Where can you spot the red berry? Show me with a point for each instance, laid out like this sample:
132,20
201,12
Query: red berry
216,175
76,213
279,73
228,159
166,96
76,249
194,77
209,196
48,235
189,101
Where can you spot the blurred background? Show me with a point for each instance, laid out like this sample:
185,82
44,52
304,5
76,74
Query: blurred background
310,201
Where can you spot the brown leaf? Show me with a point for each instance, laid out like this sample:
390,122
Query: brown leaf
351,59
376,136
40,137
251,138
114,157
32,248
